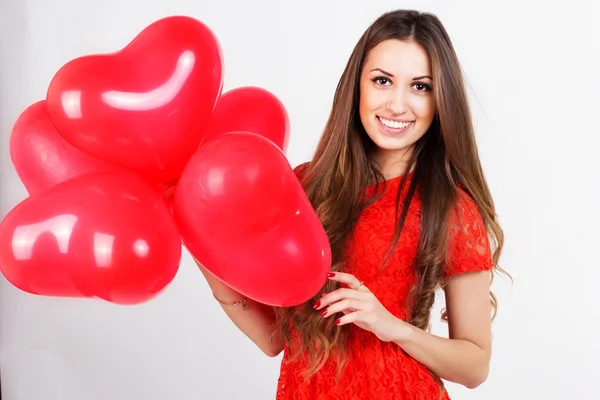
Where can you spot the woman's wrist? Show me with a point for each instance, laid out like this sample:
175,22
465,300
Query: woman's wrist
221,292
403,332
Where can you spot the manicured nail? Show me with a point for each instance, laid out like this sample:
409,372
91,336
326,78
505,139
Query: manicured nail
324,313
330,274
337,321
317,304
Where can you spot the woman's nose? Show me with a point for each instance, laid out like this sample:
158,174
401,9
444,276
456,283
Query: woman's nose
397,102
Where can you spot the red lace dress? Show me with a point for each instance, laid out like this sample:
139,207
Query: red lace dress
377,370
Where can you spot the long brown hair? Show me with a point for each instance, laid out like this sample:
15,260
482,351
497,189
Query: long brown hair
443,160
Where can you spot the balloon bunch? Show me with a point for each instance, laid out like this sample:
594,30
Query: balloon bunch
132,153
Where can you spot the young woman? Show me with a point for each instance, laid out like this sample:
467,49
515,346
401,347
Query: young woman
397,183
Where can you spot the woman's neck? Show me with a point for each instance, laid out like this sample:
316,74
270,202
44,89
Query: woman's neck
393,163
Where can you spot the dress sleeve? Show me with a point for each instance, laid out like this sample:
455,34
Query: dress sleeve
300,169
469,244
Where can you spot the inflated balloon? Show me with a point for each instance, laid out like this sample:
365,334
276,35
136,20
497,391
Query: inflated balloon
250,109
101,234
244,216
146,107
41,157
167,190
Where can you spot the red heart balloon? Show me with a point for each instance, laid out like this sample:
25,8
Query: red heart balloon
101,234
41,157
144,108
250,109
243,214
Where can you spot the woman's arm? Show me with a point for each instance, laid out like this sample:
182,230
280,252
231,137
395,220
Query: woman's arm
464,358
257,321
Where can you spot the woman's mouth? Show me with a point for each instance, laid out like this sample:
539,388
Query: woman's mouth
394,126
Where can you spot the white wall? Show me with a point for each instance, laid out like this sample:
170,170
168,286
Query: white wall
533,69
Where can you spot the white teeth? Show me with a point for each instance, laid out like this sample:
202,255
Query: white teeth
394,124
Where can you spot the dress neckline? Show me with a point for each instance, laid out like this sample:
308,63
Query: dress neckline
393,180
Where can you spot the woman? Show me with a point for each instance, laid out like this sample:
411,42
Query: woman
398,186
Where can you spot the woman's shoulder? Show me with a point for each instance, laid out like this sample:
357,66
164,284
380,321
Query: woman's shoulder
469,241
465,208
301,168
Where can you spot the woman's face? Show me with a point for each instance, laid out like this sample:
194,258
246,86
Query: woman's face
397,104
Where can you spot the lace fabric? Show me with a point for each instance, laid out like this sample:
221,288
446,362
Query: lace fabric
375,369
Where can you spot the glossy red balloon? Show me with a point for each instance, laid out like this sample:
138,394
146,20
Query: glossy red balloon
250,109
243,214
41,157
146,107
101,234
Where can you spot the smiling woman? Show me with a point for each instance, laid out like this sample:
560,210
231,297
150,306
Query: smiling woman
397,105
397,183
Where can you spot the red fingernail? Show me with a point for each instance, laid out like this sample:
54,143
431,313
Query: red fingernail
337,321
324,313
317,304
330,274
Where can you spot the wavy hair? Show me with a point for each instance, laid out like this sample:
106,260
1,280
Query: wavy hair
443,160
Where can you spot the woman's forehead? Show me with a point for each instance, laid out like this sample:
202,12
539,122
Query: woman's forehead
399,58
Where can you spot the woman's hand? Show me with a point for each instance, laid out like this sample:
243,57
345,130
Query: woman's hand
360,307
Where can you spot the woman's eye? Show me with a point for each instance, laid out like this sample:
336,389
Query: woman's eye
422,87
382,81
